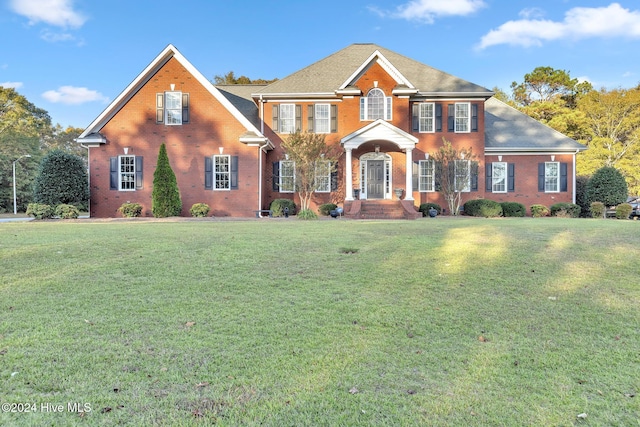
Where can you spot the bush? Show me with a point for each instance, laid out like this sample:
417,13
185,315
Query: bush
483,208
513,209
597,209
607,185
130,210
165,196
424,208
565,210
62,179
65,211
307,214
581,195
623,210
40,210
278,205
199,210
326,208
538,211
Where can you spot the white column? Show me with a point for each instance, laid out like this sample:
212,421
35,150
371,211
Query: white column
409,176
349,176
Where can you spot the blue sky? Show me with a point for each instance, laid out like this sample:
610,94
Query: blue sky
72,57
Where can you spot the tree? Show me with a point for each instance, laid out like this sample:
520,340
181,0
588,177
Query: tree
314,161
231,79
608,186
165,197
546,83
64,139
454,169
62,178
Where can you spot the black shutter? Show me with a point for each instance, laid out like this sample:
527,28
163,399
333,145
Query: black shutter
474,117
298,117
138,160
488,176
474,176
185,108
541,177
511,177
438,117
276,176
113,173
334,118
275,124
234,172
334,176
415,117
208,173
310,114
451,118
563,177
159,107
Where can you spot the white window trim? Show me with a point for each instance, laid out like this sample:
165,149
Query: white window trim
317,119
167,110
467,118
422,116
432,180
467,187
132,173
547,176
387,105
216,173
495,178
282,118
293,177
327,177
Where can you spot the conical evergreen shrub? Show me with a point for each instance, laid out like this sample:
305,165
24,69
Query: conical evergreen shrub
165,197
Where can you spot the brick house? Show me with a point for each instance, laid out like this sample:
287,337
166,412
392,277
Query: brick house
387,112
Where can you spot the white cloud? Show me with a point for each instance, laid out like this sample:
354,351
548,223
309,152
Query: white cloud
579,23
428,10
59,13
14,85
71,95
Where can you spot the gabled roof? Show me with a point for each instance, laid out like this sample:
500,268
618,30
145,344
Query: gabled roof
340,70
379,129
169,52
507,129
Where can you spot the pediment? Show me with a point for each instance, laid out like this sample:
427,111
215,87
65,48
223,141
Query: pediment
379,130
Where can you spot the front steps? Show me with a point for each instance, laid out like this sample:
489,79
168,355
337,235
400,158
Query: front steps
381,209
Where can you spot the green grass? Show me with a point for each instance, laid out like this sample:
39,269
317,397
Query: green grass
434,322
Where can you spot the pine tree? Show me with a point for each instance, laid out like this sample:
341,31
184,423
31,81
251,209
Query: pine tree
165,198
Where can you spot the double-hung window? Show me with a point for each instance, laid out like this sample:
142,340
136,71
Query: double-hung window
323,176
287,176
127,173
426,117
426,182
552,177
499,177
287,118
221,172
375,106
462,117
462,175
322,118
172,108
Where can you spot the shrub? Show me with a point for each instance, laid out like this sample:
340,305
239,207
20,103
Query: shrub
278,205
326,208
130,210
597,209
424,208
513,209
623,210
40,210
65,211
538,211
165,197
607,185
581,195
483,207
199,210
62,179
307,214
565,210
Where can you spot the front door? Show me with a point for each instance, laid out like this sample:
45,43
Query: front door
375,179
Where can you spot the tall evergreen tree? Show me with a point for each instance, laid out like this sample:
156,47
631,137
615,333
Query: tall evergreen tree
165,197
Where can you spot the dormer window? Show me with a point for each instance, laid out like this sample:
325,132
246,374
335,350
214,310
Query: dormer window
375,106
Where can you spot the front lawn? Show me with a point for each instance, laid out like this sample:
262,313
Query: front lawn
438,322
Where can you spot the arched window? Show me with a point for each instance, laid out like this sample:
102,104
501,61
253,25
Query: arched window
375,106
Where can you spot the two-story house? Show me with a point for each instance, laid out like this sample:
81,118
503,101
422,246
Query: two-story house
388,113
